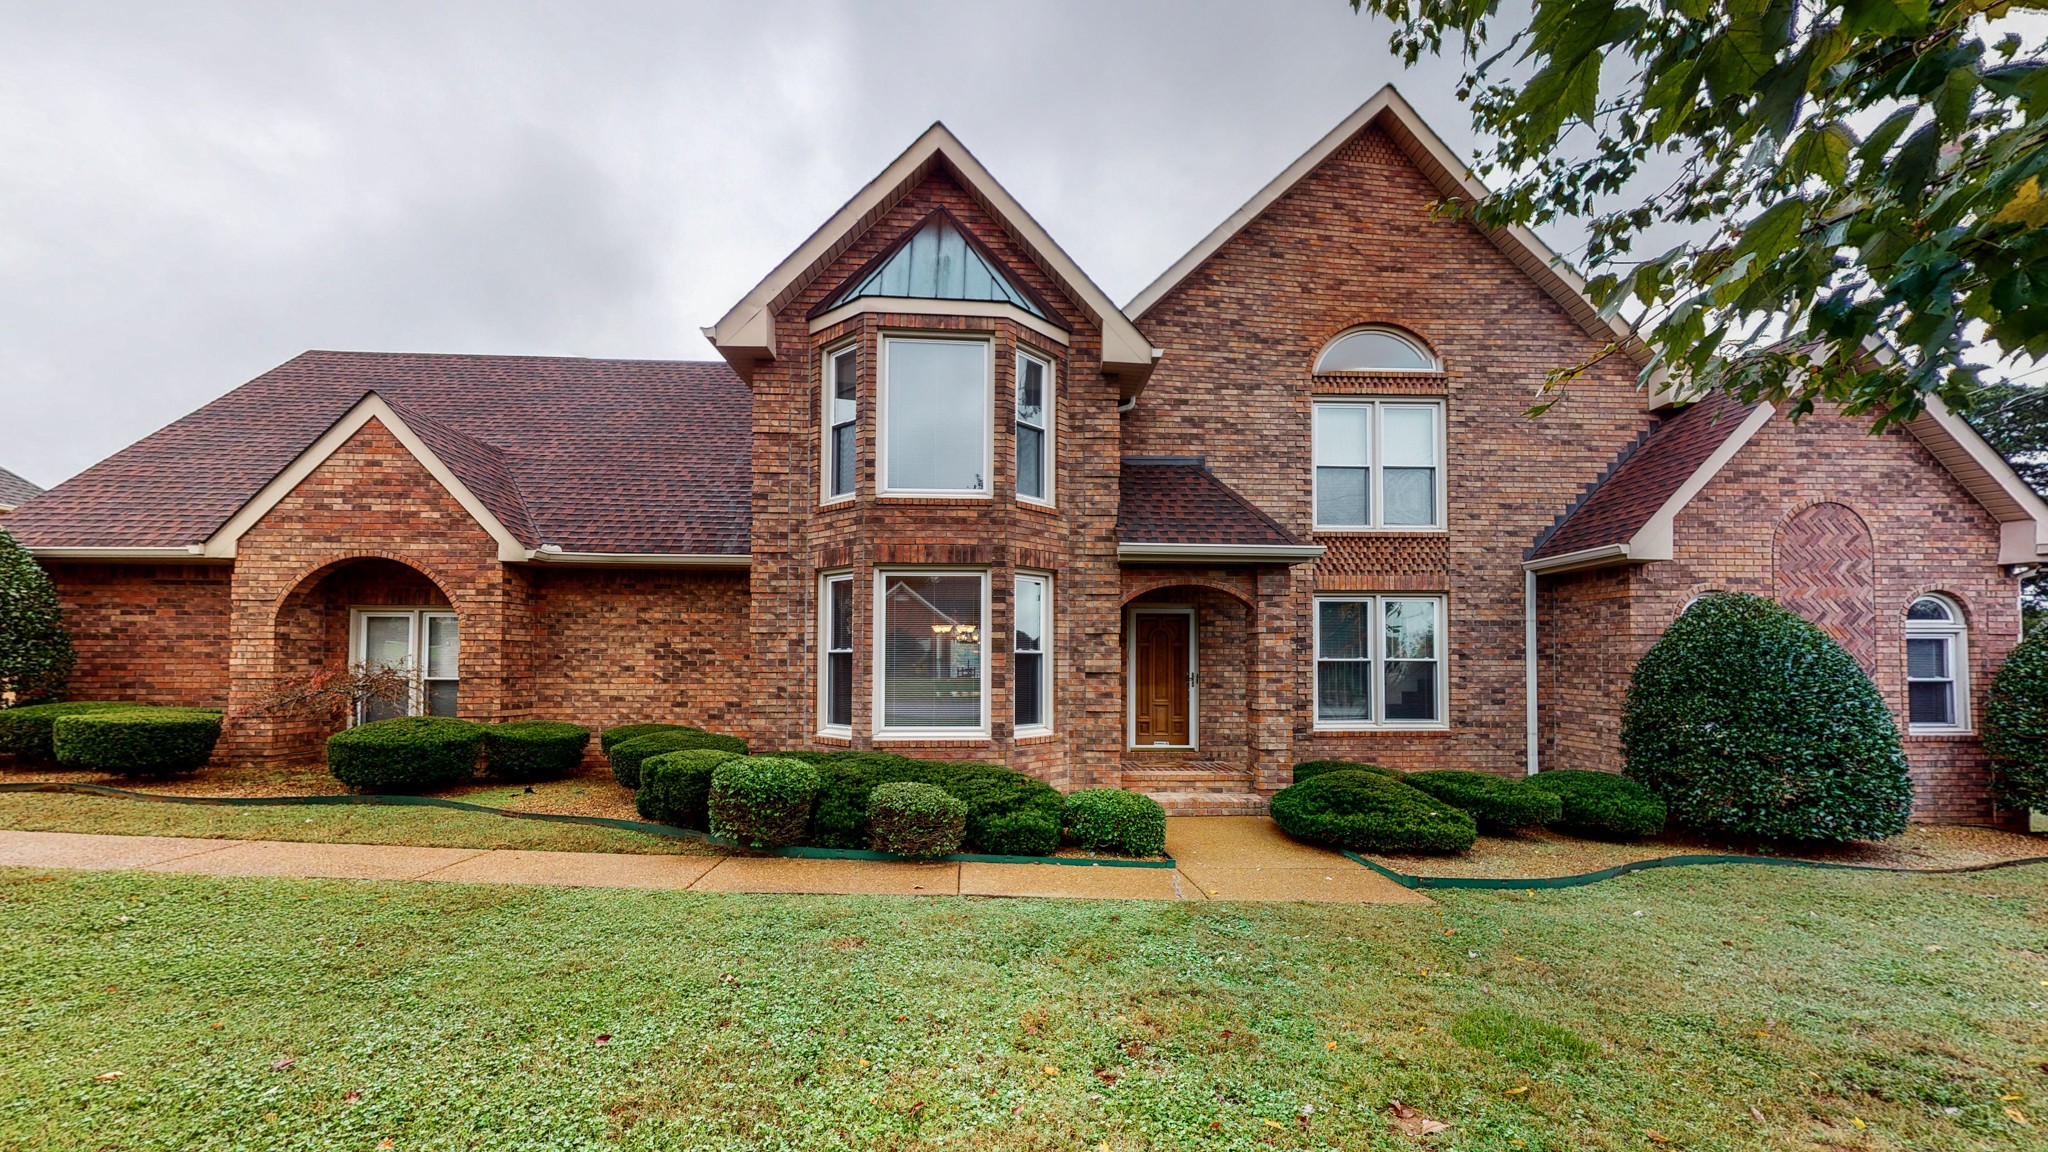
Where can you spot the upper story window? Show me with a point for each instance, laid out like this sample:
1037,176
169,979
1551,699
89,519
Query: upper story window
1378,464
842,421
1034,428
1376,350
1937,685
939,262
936,399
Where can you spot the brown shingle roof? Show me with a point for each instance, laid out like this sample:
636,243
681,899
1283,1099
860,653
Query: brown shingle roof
14,490
591,455
1175,500
1642,478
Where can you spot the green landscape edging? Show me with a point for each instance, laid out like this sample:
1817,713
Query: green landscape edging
641,826
1491,883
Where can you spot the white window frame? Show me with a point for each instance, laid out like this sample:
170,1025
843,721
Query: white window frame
1956,631
878,697
825,650
1051,411
416,642
1376,663
988,391
1375,463
827,387
1045,657
1436,365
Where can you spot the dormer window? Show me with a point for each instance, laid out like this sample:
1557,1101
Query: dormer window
1376,350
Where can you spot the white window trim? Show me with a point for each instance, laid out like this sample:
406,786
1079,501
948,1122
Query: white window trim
1051,423
1131,677
416,638
825,582
988,419
1956,631
826,387
1376,661
1375,467
1045,656
879,695
1436,364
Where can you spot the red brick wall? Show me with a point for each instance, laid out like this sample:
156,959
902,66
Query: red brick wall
151,633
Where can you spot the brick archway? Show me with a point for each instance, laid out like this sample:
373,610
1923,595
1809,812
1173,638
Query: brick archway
1823,567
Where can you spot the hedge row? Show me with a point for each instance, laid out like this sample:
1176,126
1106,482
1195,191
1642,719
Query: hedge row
1334,802
148,743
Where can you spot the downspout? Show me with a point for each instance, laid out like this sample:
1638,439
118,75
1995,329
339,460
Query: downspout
1529,663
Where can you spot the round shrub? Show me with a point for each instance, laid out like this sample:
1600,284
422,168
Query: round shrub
1368,812
626,755
675,787
35,651
916,820
610,737
142,742
406,754
1308,768
1113,820
534,749
1749,721
2015,725
25,731
1008,812
1603,805
762,801
1018,832
1496,802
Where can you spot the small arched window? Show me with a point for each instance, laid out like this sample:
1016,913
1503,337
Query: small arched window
1937,666
1375,350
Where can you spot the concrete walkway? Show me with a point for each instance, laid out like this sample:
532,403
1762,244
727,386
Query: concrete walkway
1217,858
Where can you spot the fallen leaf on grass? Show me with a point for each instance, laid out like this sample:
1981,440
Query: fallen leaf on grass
2018,1116
1414,1123
1330,1047
1517,1091
1857,1121
105,1077
1756,1114
1051,1071
283,1064
602,1039
2010,1096
1656,1137
1275,1124
352,1097
387,1143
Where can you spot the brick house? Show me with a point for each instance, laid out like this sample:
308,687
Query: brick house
943,497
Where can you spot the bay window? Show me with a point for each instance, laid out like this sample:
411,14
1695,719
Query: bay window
835,695
1378,464
842,421
935,435
1034,428
1033,610
1379,661
1937,696
930,645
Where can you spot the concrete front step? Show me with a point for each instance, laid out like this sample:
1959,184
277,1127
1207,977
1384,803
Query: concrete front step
1211,803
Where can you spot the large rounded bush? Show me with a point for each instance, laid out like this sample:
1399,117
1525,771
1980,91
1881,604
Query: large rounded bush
148,743
1008,812
1749,721
1308,768
921,821
614,736
1368,812
35,651
762,801
1496,802
406,754
2015,725
675,787
1113,820
26,731
626,755
534,749
1603,805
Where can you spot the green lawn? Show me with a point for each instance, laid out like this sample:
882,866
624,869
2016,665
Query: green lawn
1656,1011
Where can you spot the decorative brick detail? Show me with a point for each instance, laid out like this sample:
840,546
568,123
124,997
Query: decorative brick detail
1822,569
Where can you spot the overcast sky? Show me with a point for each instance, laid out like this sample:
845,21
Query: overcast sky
191,193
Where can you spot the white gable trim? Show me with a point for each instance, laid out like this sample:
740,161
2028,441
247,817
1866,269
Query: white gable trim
2021,513
746,333
922,306
222,544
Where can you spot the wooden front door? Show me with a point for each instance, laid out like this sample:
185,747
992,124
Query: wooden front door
1161,679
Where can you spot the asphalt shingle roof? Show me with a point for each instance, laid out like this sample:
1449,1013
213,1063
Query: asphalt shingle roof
14,490
1176,500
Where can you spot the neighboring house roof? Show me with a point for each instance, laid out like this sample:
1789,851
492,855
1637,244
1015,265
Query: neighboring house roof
633,457
1174,507
14,491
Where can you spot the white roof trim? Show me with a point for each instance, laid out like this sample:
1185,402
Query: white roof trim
553,554
2020,511
1240,553
1451,177
1583,558
221,545
747,331
920,306
183,553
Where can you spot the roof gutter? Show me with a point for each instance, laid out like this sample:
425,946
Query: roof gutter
1230,553
184,553
555,554
1583,558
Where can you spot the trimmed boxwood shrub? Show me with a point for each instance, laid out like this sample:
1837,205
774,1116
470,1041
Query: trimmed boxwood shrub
626,755
1113,820
1749,721
1368,812
2015,725
762,801
1008,812
405,754
142,742
534,749
25,731
917,820
610,737
1603,805
675,787
1308,768
1496,802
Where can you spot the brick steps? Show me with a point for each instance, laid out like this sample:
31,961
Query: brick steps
1178,776
1211,803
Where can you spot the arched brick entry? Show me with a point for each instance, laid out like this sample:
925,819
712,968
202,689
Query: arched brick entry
1822,567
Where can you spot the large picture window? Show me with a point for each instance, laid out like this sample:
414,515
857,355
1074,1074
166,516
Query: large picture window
842,421
931,645
936,396
422,645
1379,661
835,705
1033,610
1034,428
1378,465
1937,697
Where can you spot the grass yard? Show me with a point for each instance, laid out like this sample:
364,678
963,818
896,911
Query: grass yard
1695,1008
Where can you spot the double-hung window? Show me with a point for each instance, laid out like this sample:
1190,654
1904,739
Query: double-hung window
930,647
1378,465
1379,661
1034,428
1937,694
835,627
842,421
1033,609
936,400
423,646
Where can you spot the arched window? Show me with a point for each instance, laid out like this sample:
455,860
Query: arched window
1375,350
1937,667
